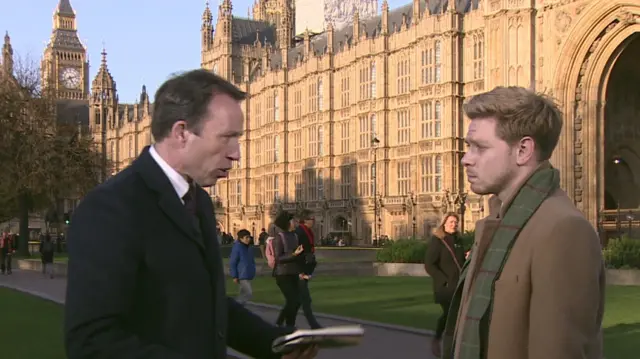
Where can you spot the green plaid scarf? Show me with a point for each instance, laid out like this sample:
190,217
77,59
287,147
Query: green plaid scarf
475,332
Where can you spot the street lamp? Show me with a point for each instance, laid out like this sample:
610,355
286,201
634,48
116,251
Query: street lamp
374,177
414,202
379,228
630,218
617,162
461,200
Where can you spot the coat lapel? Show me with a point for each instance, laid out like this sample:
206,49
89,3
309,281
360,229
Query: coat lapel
168,200
207,226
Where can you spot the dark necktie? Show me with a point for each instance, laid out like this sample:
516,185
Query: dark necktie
190,199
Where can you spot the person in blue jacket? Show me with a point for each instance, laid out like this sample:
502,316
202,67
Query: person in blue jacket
242,265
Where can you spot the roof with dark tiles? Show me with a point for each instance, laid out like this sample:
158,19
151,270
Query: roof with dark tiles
66,39
244,31
64,8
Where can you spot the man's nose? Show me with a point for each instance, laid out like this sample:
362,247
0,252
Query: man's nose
234,154
466,160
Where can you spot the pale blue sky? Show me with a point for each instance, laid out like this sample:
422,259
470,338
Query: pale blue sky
145,40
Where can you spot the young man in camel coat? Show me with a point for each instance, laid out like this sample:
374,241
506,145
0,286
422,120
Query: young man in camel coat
534,286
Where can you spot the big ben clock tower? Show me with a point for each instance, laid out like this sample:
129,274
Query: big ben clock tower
64,65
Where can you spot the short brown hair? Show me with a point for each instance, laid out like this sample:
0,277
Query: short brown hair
186,97
520,112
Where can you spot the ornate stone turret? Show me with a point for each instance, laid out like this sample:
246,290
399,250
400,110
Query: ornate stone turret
330,35
207,28
285,33
103,87
356,27
7,55
385,17
104,99
307,43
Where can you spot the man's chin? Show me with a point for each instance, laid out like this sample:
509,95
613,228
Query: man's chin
478,189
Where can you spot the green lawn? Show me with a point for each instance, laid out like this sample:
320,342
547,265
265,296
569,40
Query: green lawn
30,327
398,300
408,301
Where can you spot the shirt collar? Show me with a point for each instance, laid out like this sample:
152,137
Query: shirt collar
179,183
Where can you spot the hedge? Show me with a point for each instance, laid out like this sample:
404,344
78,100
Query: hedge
402,251
622,253
407,250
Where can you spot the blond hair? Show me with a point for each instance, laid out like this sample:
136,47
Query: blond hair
520,112
439,230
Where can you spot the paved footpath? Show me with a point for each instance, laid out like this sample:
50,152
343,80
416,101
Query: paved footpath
380,342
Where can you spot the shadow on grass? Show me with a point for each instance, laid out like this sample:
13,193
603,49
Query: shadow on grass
621,341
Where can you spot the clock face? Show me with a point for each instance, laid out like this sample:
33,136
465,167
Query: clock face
70,78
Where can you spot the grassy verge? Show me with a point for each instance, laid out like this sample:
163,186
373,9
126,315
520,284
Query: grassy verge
396,300
30,327
408,301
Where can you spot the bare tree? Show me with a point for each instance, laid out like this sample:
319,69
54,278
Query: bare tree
42,159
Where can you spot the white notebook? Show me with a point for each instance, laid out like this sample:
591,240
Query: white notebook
329,337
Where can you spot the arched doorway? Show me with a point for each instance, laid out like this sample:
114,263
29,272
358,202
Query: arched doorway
584,75
622,129
340,224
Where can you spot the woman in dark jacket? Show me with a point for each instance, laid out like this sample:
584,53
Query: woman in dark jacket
286,250
443,261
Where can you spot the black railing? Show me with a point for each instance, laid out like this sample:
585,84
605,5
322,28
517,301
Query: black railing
615,223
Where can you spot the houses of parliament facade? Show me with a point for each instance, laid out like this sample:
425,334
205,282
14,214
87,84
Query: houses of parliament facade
362,123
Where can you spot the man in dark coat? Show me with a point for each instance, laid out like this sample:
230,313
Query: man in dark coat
145,273
306,238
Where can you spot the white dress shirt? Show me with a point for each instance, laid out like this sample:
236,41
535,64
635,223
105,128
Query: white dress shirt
178,182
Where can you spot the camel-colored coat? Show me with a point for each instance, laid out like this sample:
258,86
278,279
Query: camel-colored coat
549,299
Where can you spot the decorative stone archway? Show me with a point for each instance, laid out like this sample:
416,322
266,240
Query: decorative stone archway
581,78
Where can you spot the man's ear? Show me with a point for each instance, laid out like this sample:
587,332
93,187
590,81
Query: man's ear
526,150
178,131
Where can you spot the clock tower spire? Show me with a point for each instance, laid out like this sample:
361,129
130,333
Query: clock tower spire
64,64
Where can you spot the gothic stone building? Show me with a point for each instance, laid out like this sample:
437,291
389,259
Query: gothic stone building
363,124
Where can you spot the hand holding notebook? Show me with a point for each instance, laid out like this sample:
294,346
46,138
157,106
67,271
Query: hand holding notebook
329,337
